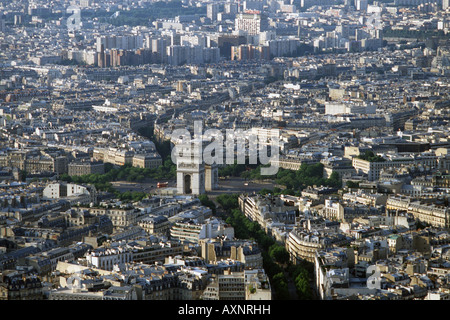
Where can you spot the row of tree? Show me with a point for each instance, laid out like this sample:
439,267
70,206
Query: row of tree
131,196
293,180
232,170
301,275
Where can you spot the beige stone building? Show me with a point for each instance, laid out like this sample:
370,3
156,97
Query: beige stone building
429,213
150,161
155,225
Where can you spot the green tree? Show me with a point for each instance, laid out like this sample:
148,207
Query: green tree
65,177
279,254
228,201
208,203
303,287
301,273
279,283
334,180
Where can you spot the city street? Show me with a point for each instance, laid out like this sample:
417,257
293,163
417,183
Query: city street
229,185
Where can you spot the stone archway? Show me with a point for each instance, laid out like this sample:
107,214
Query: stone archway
187,184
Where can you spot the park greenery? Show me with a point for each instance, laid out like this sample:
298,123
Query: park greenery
124,173
371,157
276,260
127,173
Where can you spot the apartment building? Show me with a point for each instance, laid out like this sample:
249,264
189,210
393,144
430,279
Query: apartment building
250,52
257,285
35,162
260,209
120,216
430,213
398,203
287,163
151,282
369,199
155,225
303,244
114,156
332,271
251,22
81,168
373,168
71,192
333,210
58,254
231,286
17,286
192,231
106,258
245,285
153,253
